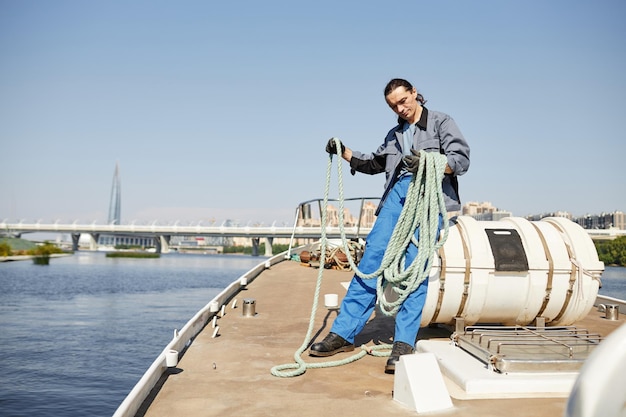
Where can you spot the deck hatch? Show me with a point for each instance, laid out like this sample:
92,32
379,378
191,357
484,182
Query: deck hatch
529,349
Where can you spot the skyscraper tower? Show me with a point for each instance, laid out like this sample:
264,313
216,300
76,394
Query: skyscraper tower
115,204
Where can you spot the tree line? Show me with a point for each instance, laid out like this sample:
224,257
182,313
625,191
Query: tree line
612,252
247,250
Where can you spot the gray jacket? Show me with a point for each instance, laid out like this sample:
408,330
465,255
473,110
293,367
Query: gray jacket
436,132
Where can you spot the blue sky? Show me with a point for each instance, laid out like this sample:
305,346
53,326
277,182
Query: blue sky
221,110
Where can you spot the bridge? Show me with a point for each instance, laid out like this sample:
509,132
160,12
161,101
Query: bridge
162,234
306,226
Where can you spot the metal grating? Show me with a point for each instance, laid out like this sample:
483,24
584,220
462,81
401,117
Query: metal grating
528,349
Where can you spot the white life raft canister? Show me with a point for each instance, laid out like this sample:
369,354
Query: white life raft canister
512,271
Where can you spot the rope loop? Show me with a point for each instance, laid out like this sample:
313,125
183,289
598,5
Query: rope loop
423,206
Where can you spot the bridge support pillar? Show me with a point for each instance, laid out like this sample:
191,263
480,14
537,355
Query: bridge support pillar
75,240
93,241
268,246
255,246
162,243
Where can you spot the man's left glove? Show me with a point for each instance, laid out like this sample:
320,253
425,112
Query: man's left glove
331,147
412,162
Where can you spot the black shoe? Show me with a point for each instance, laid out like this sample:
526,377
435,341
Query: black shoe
399,349
332,343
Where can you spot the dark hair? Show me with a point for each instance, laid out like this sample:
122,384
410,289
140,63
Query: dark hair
399,82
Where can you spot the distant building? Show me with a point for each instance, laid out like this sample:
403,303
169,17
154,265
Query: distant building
537,217
367,215
115,202
615,220
484,211
115,217
308,219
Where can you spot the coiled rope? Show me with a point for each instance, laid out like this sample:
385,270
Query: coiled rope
423,205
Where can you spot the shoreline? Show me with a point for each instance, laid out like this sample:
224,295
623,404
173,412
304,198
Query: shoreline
15,258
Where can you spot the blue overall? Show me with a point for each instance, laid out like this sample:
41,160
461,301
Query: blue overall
360,300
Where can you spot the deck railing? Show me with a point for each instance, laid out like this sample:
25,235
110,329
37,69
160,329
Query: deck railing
355,227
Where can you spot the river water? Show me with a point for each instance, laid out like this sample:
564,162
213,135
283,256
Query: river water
77,335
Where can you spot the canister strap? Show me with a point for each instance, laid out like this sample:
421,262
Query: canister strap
550,260
466,279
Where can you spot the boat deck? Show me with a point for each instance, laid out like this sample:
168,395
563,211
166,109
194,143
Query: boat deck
229,374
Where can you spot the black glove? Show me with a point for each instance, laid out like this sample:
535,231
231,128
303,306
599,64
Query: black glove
331,147
412,162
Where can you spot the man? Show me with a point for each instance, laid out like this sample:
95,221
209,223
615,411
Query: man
398,157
